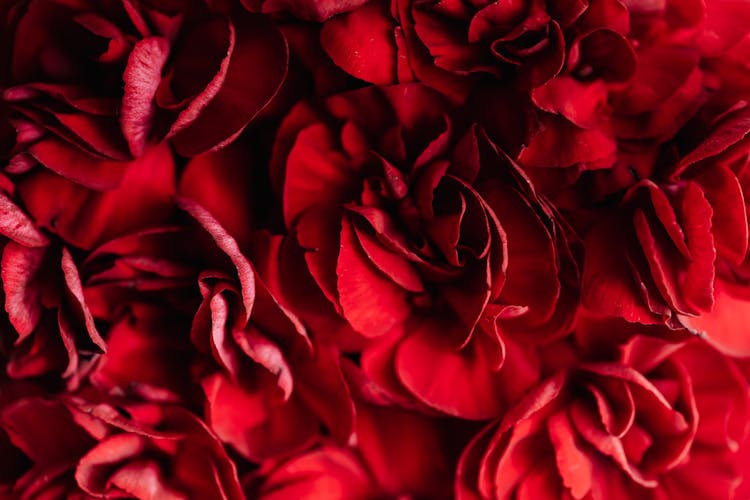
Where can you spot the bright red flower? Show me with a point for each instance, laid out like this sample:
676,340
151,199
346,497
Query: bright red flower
675,250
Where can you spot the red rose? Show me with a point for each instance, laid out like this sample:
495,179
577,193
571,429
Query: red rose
95,82
426,239
79,447
660,421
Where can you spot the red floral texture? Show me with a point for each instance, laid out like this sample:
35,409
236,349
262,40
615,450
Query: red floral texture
82,448
682,243
95,83
661,420
428,451
635,93
287,384
427,240
445,43
374,249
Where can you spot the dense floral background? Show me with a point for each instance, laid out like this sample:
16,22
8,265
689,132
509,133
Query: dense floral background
352,249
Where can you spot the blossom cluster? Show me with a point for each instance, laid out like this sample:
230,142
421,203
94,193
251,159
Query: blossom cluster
366,249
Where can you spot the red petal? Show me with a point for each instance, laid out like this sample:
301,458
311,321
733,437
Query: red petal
559,143
259,45
215,182
371,302
266,427
45,431
142,76
326,472
143,353
461,382
23,294
321,386
69,161
17,226
229,246
729,223
608,285
726,326
93,471
583,103
85,218
572,464
317,173
362,43
420,467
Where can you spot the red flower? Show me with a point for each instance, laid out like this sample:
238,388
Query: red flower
675,250
53,327
425,238
97,82
263,361
660,421
443,43
85,447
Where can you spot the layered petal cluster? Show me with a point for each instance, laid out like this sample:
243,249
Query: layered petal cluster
85,447
660,421
96,83
425,239
370,249
683,243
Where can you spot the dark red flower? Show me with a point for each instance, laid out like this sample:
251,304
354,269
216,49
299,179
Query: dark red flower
425,238
88,448
53,329
442,43
601,125
661,420
263,361
94,83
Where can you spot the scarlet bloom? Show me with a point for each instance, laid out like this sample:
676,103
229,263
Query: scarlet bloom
660,420
261,360
94,83
53,329
448,44
79,446
675,250
426,239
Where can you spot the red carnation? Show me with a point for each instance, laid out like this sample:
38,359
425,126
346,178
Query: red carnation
426,239
660,421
